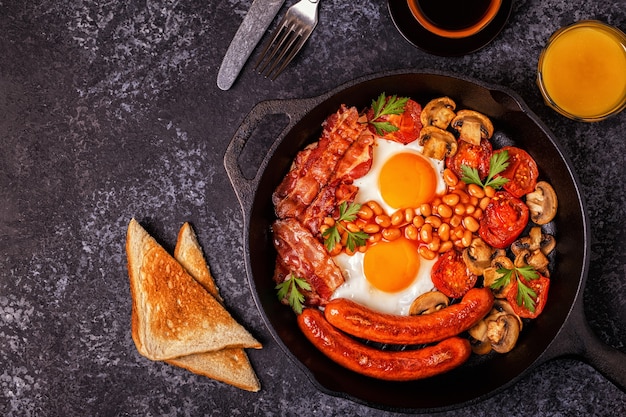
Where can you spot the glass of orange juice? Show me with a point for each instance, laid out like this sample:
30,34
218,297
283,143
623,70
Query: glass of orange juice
582,71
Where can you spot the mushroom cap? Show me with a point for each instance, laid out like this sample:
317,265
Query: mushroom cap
477,256
429,302
542,203
503,331
438,143
438,112
472,126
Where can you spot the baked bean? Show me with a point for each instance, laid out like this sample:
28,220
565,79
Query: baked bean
450,177
336,250
469,209
445,246
471,224
434,245
353,227
371,228
425,210
444,231
363,248
459,209
418,221
464,197
474,200
344,238
408,215
457,233
484,202
478,213
426,233
475,190
490,191
466,240
444,210
376,208
365,212
456,220
434,221
391,233
383,220
324,228
397,218
451,199
374,238
329,221
411,232
426,253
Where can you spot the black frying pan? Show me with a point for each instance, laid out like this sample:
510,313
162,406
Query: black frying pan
561,329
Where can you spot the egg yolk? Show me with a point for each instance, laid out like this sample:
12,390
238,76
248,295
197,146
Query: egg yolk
407,180
391,266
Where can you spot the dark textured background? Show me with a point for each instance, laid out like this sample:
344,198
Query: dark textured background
110,109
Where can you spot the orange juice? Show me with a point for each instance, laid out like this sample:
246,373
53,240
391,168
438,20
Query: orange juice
582,71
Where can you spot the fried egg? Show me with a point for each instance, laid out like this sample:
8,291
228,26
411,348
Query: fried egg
400,176
390,275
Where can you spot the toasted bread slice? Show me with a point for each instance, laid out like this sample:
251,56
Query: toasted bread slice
232,365
172,314
189,253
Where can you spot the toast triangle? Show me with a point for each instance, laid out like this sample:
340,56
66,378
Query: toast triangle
173,315
230,365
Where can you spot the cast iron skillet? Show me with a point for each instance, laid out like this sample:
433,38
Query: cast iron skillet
562,328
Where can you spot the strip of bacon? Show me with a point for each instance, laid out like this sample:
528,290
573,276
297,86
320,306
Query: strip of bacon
314,167
326,203
301,253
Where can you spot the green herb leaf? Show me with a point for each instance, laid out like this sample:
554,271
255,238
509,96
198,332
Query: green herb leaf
525,295
290,289
384,106
332,235
498,162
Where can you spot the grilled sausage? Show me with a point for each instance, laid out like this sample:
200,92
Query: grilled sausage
388,365
362,322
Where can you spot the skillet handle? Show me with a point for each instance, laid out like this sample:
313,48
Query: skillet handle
245,187
577,338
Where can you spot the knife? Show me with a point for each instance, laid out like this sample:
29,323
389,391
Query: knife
254,25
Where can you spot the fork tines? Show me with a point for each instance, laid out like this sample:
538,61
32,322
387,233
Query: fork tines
285,44
293,31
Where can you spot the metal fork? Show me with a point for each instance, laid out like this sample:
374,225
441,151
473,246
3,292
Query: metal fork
291,34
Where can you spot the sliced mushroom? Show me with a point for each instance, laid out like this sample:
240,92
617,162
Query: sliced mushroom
491,274
438,112
472,126
535,258
429,303
542,203
502,331
535,240
479,340
477,256
504,307
438,143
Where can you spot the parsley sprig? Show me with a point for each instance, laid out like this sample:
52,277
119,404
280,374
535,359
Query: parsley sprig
498,162
290,288
332,235
525,295
384,106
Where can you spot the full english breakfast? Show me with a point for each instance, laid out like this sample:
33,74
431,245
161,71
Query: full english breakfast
403,226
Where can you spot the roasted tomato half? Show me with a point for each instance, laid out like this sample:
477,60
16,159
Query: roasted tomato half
504,218
474,156
408,123
540,286
451,276
522,172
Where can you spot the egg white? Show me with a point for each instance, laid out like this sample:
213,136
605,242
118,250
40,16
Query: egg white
383,150
358,289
